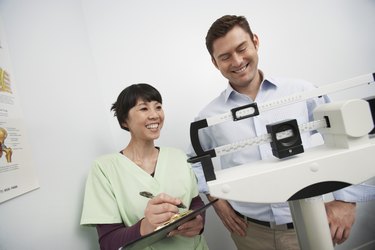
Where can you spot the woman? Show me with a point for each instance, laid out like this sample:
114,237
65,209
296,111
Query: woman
112,202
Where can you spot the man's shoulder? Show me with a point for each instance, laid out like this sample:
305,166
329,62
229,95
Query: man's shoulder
214,107
296,84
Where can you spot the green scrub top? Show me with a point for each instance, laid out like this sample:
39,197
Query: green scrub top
113,186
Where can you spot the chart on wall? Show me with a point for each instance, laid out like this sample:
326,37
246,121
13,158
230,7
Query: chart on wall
17,170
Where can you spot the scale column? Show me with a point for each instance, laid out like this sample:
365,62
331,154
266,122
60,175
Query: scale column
311,224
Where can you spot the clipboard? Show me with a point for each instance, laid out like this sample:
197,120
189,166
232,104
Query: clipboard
159,234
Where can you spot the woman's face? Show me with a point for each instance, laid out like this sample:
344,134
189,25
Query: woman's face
145,120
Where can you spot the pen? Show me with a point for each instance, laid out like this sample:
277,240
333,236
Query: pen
150,195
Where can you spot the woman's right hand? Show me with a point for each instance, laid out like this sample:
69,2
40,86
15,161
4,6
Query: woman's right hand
158,210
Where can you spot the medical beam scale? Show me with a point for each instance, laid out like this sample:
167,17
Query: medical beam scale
345,127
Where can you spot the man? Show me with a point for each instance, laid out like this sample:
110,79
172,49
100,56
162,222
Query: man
234,52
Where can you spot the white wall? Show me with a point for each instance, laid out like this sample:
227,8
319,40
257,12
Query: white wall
65,115
72,58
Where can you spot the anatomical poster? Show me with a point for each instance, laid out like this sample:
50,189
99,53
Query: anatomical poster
17,172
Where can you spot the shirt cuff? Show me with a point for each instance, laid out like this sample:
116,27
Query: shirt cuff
202,184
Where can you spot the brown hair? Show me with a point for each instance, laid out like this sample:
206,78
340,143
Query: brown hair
222,26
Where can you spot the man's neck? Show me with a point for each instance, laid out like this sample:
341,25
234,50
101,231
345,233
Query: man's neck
252,89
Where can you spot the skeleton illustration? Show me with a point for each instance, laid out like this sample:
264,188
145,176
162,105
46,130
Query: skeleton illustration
3,148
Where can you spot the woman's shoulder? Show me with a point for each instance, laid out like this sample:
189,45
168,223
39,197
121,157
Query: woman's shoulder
110,156
107,160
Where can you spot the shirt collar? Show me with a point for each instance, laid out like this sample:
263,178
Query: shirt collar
267,83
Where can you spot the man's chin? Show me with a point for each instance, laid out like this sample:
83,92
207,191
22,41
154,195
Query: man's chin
241,82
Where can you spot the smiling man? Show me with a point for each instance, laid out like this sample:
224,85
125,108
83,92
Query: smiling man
234,52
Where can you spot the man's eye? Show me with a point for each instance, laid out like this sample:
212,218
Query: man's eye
224,58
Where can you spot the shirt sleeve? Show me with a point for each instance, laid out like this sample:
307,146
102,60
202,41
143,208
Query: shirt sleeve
356,193
99,205
206,143
202,184
114,236
196,203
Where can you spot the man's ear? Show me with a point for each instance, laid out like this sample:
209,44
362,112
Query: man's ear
214,62
256,41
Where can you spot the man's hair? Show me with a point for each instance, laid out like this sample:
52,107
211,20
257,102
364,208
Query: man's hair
222,26
128,99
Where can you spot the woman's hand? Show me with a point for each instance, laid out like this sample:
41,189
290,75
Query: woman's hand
190,228
158,210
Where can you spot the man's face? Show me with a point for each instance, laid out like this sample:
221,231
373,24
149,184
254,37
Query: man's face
236,56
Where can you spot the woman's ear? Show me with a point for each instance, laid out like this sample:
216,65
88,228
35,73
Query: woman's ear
124,125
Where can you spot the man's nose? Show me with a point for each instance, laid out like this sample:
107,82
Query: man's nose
236,59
